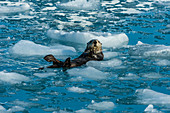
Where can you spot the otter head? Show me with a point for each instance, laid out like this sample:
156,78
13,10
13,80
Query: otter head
94,46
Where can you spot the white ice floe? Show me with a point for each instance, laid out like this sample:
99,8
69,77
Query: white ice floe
129,76
44,75
85,111
78,90
147,50
12,77
105,105
13,7
107,39
29,48
150,109
103,64
88,72
80,5
147,96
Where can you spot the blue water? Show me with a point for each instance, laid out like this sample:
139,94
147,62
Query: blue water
147,21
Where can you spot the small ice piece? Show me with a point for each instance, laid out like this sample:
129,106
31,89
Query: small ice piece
13,7
101,106
88,72
85,111
110,63
140,43
29,48
152,75
129,76
162,62
109,55
44,75
80,5
49,8
78,90
107,39
148,96
24,104
12,77
150,109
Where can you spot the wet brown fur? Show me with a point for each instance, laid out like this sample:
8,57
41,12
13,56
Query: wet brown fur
93,51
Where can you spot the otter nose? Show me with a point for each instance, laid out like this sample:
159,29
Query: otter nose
95,42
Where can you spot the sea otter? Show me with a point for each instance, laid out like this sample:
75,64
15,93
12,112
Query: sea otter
93,51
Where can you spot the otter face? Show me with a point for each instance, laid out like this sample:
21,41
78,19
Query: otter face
95,46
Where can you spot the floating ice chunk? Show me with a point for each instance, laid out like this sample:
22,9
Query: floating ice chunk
85,111
110,63
29,48
107,39
44,75
49,8
129,76
2,109
80,5
15,109
12,109
152,75
13,7
130,11
162,62
78,90
108,55
24,104
101,106
150,109
148,50
147,96
140,43
88,72
12,78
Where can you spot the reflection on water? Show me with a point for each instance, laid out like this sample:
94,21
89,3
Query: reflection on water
124,82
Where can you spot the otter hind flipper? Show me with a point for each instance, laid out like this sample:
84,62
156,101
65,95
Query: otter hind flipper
50,58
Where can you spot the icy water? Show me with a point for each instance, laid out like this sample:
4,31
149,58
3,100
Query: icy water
133,78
